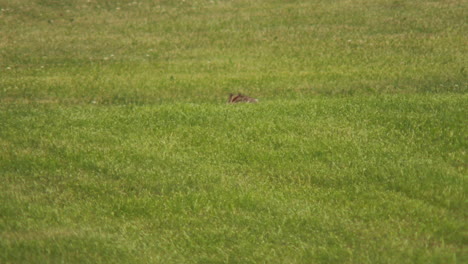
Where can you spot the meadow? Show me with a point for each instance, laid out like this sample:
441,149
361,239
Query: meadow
117,145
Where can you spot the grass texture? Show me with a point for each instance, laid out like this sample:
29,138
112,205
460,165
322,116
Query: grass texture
116,145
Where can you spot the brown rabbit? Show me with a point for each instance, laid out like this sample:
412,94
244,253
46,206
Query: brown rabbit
240,98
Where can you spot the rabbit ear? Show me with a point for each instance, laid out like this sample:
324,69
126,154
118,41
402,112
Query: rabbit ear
237,99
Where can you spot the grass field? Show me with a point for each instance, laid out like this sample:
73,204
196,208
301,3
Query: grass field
117,146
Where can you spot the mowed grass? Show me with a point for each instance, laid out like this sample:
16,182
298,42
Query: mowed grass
116,145
378,180
198,51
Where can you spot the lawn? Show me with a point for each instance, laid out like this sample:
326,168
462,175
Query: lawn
117,145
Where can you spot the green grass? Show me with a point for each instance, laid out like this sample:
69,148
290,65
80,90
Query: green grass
116,145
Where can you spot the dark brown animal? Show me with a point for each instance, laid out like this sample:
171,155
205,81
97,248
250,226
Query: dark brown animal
240,98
